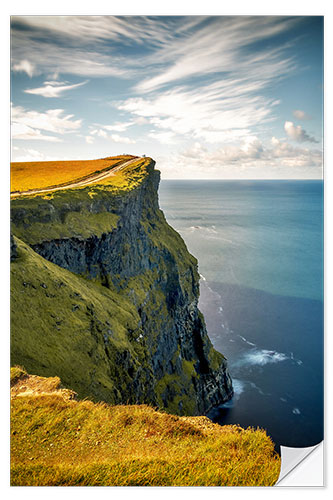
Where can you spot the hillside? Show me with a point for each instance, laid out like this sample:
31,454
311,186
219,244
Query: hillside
58,441
42,174
105,293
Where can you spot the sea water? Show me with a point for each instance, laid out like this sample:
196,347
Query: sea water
259,246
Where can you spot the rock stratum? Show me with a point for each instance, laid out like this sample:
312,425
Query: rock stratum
104,295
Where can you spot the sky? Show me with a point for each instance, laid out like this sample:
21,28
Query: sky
226,97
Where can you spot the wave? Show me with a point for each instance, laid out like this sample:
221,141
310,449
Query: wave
238,385
262,357
247,341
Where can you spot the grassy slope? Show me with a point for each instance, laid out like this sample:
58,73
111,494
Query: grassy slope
60,323
59,441
42,174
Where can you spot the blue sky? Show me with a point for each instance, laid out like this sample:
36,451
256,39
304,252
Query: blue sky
206,97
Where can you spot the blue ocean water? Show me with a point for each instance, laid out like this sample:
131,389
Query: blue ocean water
259,245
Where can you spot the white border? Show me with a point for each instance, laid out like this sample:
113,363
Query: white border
172,7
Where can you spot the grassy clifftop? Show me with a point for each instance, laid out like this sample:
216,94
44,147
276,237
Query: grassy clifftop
57,440
42,174
115,174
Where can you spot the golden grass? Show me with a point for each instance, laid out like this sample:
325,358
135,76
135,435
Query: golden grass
42,174
60,441
129,176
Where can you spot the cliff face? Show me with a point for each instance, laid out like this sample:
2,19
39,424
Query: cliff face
124,327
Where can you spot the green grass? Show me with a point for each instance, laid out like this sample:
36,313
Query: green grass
62,324
55,442
75,225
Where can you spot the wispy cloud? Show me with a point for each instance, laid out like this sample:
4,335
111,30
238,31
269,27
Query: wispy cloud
48,58
30,124
297,133
220,46
85,29
217,112
84,45
231,98
89,45
53,89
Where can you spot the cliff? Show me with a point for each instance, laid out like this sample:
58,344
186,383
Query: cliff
105,293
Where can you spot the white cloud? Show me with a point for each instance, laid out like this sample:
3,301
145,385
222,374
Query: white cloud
98,28
118,127
25,66
24,132
48,57
53,89
163,137
30,155
51,120
297,133
113,137
123,139
218,112
219,47
252,153
203,46
301,115
28,125
99,133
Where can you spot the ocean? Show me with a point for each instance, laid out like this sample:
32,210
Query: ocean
259,246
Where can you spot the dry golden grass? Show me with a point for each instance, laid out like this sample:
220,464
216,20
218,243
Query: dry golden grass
60,441
42,174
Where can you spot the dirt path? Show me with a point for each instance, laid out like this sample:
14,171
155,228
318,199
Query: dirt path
84,182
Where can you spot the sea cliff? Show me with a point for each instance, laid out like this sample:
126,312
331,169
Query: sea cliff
105,294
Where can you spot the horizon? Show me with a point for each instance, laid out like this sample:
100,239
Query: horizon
207,97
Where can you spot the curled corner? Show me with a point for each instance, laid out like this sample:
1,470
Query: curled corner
291,458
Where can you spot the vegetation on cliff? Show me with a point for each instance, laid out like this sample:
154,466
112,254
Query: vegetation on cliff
58,441
104,295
